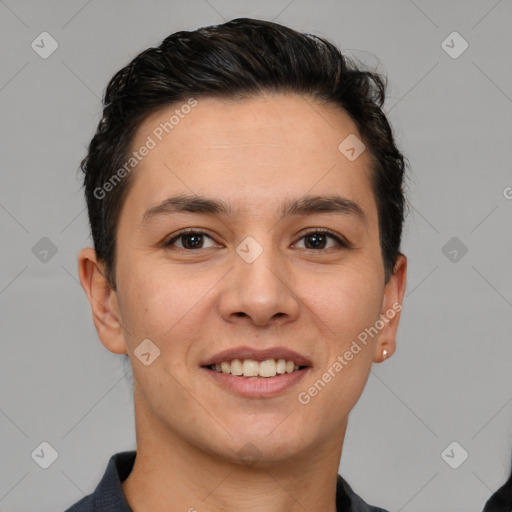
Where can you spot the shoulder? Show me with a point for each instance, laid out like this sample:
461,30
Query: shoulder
108,495
347,499
86,504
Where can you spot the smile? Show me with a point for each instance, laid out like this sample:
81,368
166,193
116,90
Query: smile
250,368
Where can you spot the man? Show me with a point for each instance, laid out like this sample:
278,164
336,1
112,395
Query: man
245,199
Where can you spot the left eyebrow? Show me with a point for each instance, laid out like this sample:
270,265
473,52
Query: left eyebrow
307,205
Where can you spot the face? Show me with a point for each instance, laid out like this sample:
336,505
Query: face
248,282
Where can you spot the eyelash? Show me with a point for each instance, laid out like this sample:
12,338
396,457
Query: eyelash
340,241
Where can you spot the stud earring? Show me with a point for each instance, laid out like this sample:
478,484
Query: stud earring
384,354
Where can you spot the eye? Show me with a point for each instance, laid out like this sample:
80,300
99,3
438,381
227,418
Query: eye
317,239
192,240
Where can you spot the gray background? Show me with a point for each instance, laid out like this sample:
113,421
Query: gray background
451,377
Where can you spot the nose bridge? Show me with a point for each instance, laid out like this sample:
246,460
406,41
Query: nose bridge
258,264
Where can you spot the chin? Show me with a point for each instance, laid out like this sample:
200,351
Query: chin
262,449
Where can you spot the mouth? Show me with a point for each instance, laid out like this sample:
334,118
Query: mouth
253,369
257,373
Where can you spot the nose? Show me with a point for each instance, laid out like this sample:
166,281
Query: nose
259,292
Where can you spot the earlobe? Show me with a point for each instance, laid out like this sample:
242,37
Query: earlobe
391,308
103,301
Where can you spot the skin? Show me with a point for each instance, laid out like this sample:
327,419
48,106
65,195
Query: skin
194,303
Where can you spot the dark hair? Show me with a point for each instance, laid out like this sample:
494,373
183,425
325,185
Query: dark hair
501,500
238,59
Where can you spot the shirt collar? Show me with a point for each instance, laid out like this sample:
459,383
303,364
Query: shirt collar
109,497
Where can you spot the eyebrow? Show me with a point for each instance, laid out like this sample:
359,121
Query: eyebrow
307,205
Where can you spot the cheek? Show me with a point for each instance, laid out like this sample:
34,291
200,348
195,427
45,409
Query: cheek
346,308
163,304
346,302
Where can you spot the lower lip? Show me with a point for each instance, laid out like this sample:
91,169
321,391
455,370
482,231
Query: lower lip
259,387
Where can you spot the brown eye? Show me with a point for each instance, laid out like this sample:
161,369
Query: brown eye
190,240
318,239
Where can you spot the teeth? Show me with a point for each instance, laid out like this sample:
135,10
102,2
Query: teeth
236,367
268,368
252,368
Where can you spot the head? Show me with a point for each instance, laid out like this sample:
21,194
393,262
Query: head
271,148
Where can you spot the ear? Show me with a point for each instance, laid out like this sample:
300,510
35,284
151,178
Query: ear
391,309
103,301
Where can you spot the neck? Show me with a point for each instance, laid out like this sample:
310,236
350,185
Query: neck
170,474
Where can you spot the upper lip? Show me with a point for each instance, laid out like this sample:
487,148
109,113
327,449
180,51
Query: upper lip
257,355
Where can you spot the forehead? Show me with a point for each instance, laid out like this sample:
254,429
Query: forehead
248,150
